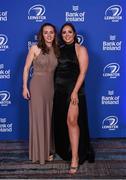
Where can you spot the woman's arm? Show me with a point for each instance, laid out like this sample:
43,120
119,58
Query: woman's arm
28,63
83,65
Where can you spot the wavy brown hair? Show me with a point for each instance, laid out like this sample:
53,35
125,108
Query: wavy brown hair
41,42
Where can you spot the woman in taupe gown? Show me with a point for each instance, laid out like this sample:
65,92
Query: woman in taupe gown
43,56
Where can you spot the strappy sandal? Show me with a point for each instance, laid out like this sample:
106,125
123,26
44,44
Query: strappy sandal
74,169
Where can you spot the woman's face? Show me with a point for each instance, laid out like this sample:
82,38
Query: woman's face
68,34
48,34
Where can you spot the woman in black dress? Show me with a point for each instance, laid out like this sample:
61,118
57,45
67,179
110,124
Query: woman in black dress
70,114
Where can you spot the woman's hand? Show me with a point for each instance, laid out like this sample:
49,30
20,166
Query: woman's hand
74,98
26,93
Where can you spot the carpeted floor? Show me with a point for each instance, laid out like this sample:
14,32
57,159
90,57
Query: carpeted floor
110,162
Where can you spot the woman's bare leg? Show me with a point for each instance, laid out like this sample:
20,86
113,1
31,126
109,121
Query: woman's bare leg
74,133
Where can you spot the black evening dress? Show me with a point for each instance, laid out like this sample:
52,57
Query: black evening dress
65,79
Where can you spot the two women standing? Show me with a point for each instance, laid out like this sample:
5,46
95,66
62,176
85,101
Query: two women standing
69,109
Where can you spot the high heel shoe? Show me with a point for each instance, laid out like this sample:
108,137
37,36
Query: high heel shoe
74,169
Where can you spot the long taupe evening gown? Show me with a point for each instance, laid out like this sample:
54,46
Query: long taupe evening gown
40,107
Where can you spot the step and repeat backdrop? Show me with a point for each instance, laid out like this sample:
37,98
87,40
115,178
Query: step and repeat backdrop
101,28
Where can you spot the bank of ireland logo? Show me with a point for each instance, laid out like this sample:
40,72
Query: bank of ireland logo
111,70
3,15
3,42
75,15
4,73
5,98
110,123
113,13
31,43
5,126
80,39
110,98
36,13
75,8
112,44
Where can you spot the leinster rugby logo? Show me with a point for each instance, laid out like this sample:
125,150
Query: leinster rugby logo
113,13
3,39
4,98
111,70
36,13
3,42
110,123
80,39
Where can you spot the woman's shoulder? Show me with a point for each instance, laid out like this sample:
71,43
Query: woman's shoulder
80,48
35,50
34,47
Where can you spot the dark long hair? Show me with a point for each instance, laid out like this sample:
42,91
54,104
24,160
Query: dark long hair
74,30
41,42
